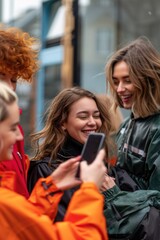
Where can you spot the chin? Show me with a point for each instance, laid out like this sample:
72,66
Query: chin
127,106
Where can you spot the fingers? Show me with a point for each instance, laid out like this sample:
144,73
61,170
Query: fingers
95,171
83,164
101,155
108,183
70,162
70,167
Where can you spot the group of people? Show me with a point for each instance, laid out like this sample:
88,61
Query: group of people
111,199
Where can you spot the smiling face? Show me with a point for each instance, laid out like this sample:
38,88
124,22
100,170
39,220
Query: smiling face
9,132
83,118
123,85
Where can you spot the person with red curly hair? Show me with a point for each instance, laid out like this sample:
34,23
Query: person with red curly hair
18,62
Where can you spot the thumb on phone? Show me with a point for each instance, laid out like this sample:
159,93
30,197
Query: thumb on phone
94,172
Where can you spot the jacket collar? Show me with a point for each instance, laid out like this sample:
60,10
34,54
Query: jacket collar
71,148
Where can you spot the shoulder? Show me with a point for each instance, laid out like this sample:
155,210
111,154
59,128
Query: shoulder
40,166
39,162
123,125
154,122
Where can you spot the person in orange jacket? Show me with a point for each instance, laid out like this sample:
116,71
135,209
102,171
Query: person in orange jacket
33,218
18,60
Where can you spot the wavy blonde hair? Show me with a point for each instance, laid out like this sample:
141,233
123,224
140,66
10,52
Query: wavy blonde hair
143,61
7,97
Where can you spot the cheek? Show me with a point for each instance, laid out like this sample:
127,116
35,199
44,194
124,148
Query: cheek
10,139
134,90
1,145
115,88
99,123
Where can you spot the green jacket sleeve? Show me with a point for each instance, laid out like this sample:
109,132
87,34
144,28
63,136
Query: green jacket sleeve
125,210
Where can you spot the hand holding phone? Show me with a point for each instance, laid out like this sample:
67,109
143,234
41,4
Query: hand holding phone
94,143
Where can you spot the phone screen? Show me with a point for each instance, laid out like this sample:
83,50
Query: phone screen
94,143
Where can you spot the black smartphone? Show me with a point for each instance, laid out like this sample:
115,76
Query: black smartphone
94,143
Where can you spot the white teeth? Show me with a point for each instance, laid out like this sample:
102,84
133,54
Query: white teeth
89,131
124,96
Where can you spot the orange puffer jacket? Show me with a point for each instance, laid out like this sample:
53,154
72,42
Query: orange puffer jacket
33,218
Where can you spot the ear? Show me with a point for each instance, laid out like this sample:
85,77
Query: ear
63,126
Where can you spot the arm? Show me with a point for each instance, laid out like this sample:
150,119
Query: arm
124,208
45,189
42,197
85,212
84,219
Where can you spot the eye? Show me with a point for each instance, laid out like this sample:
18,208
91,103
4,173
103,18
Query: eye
2,75
115,82
83,117
97,116
14,80
127,80
14,128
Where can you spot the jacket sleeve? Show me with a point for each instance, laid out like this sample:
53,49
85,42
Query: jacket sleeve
84,219
125,210
42,197
153,162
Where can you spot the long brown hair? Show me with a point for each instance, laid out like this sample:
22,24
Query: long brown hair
143,61
48,141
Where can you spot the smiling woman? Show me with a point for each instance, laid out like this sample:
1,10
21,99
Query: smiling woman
71,116
133,73
83,118
123,86
9,119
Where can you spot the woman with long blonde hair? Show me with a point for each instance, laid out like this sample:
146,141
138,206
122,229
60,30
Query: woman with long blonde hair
133,200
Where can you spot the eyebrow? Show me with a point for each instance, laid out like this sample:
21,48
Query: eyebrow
126,76
15,124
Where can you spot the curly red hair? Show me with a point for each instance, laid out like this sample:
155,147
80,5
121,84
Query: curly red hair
18,55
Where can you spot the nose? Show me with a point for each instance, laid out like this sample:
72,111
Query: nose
91,121
120,87
19,135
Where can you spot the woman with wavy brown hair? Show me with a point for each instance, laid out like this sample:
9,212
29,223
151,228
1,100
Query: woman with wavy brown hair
132,201
71,116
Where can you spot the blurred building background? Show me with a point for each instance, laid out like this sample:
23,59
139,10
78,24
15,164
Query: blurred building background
77,37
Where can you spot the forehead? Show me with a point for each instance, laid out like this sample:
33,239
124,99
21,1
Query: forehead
14,114
11,120
83,104
120,68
